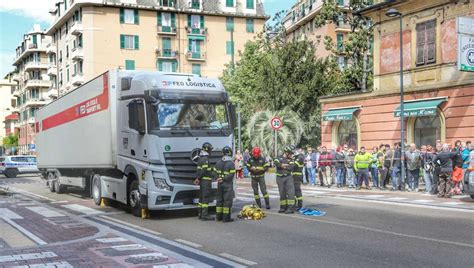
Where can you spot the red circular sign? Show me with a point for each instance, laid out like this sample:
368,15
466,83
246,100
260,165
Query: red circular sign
276,123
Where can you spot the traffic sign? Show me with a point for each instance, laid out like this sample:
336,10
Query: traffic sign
276,123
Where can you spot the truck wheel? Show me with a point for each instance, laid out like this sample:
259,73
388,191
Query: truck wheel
134,199
11,173
50,181
96,189
472,196
60,189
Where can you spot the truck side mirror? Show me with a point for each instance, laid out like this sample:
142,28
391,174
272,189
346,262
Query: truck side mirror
232,115
136,116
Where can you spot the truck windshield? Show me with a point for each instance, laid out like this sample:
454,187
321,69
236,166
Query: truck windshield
191,116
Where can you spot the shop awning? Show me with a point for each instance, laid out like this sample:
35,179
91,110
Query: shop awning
423,107
197,37
340,114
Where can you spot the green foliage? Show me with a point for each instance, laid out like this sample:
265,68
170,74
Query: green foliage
262,134
10,141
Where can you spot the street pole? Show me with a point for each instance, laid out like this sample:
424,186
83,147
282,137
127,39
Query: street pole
239,128
276,141
402,112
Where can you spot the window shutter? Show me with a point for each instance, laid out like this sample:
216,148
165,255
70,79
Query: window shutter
35,39
340,42
136,42
122,41
173,20
160,65
202,22
135,16
174,66
431,41
189,21
122,15
166,43
250,28
198,46
249,4
158,19
420,43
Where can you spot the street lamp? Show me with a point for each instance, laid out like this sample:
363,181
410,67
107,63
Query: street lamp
394,13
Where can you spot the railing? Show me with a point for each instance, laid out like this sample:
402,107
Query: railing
35,65
76,53
167,53
37,83
199,31
76,28
166,30
196,55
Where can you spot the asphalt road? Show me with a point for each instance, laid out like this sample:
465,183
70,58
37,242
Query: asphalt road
354,233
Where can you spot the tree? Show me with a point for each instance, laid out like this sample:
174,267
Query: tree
10,141
356,48
262,134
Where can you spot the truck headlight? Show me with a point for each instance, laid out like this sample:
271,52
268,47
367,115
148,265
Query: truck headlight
161,184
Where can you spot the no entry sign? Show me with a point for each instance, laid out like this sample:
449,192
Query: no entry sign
276,123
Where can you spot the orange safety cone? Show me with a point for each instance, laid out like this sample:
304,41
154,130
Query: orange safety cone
145,213
102,202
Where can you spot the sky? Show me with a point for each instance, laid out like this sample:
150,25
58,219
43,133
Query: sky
18,16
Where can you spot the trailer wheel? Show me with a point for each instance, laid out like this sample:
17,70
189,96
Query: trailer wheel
11,173
50,182
60,189
134,199
96,189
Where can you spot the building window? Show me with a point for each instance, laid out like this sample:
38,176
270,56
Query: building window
167,66
339,41
229,3
230,24
426,42
67,52
167,21
347,133
250,4
167,3
194,4
249,26
196,21
129,65
129,16
129,41
166,43
230,47
427,130
197,69
67,74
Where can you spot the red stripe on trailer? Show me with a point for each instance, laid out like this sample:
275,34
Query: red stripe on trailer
83,109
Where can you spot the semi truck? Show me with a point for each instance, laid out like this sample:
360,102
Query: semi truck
134,137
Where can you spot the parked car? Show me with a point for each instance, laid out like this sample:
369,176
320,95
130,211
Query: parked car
11,166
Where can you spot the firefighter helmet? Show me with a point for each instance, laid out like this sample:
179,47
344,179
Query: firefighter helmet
256,152
227,151
207,147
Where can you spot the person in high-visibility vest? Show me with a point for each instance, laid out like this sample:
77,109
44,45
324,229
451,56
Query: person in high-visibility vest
286,186
257,166
205,174
298,165
225,171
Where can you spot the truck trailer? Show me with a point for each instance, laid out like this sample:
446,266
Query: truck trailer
134,137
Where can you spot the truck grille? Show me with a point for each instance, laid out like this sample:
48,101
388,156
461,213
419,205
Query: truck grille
181,169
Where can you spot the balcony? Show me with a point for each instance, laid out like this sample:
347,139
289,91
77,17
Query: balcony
35,102
76,28
34,65
52,93
77,79
167,54
298,16
16,77
50,48
77,54
166,30
52,69
196,56
194,5
34,83
31,120
196,31
29,49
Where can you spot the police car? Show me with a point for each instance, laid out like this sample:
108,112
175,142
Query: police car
11,166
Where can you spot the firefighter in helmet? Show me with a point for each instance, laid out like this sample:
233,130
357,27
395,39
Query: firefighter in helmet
225,171
205,174
257,165
298,165
286,186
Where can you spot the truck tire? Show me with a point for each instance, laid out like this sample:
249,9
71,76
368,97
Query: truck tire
472,196
60,189
51,178
96,191
134,199
11,173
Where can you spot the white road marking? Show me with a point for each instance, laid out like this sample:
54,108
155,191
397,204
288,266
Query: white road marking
62,264
396,198
451,203
27,257
174,265
371,229
32,194
82,209
8,214
375,196
111,240
250,194
245,199
131,225
46,212
314,192
30,235
189,243
128,247
59,202
423,201
237,259
26,204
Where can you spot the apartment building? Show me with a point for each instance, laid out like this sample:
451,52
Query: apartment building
33,84
189,36
299,23
439,94
7,104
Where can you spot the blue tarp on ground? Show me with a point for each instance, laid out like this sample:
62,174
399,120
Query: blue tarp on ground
311,212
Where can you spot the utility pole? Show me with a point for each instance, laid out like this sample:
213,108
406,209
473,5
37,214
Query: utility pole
239,128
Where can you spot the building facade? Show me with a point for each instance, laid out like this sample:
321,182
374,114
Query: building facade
439,98
188,36
33,84
299,23
7,104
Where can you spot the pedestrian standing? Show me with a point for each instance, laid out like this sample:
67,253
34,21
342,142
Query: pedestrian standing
457,168
465,158
413,160
339,165
325,165
445,162
396,164
205,175
286,186
225,172
238,162
362,162
345,151
349,164
383,170
437,170
428,166
257,166
374,167
246,157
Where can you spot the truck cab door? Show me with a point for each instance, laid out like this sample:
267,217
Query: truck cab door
137,128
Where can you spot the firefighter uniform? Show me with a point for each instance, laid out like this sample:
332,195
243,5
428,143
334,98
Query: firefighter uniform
225,170
205,174
298,165
257,167
286,186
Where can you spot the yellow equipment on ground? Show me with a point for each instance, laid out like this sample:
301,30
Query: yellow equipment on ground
251,212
